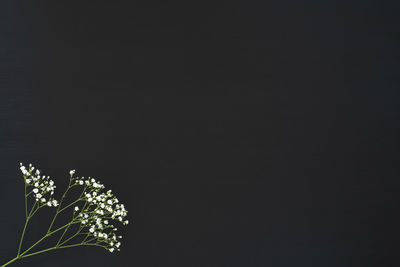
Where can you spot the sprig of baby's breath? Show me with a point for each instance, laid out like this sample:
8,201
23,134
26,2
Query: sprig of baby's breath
94,213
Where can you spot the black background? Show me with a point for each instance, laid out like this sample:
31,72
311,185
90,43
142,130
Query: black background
236,133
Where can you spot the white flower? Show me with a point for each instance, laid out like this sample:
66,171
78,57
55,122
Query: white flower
98,213
42,184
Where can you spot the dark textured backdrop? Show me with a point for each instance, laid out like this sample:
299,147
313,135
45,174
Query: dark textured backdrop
237,133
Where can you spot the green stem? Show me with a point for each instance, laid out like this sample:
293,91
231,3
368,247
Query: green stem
26,204
54,248
48,249
69,205
65,231
31,247
10,261
22,237
45,236
27,218
59,206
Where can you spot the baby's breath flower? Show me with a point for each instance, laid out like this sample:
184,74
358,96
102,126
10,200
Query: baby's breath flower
96,210
41,185
99,207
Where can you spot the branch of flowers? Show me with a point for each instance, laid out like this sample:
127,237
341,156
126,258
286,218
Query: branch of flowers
99,207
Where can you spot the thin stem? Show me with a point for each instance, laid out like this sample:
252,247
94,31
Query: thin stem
10,261
59,206
38,252
66,246
68,239
65,231
26,203
47,235
22,237
48,249
59,240
27,218
79,199
31,247
69,205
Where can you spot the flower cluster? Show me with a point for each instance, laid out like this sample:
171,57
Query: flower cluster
94,213
98,211
43,186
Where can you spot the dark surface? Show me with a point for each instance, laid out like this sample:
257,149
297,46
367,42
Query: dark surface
237,133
